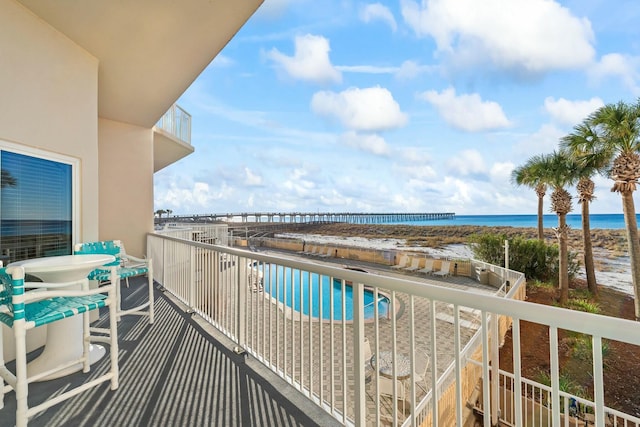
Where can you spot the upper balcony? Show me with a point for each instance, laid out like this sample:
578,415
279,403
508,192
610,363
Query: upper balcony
171,138
270,337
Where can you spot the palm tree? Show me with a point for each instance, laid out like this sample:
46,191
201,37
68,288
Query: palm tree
7,180
574,146
533,175
160,212
617,127
561,171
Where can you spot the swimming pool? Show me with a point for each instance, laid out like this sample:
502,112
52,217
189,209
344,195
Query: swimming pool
291,287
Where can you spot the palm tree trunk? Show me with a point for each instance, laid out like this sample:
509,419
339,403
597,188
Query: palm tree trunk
588,250
540,219
629,210
563,279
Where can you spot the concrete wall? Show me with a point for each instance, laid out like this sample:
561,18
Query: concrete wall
126,184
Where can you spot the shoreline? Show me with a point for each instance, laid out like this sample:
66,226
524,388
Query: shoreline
612,264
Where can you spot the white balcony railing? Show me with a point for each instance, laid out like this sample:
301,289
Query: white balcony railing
177,122
267,304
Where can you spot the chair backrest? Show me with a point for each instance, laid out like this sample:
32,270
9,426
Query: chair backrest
421,361
444,267
109,247
367,350
12,291
386,387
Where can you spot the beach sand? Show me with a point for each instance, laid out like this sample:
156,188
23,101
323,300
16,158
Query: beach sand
613,269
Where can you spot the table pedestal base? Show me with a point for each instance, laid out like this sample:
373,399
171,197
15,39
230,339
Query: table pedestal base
62,347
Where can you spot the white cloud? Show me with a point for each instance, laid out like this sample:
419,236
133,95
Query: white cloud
377,11
416,155
571,112
222,61
366,142
416,172
500,172
251,179
532,36
190,197
369,109
367,69
466,112
545,140
274,8
411,69
467,162
310,61
335,199
619,66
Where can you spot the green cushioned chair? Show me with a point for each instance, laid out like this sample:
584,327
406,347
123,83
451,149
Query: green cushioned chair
22,311
126,266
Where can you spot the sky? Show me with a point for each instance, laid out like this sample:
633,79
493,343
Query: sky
399,106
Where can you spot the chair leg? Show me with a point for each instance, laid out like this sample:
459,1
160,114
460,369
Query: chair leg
22,384
113,335
86,335
2,366
150,284
86,342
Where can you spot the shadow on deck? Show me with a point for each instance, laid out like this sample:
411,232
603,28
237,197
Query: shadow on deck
173,373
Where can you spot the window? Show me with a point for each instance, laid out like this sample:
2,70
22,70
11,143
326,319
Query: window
36,205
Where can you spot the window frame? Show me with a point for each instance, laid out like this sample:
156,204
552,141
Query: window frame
74,162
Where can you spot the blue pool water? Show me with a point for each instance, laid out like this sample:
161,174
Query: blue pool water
291,286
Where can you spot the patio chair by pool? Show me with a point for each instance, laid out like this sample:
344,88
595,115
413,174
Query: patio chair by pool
386,390
404,262
428,266
368,369
312,251
27,310
327,254
127,266
421,367
415,262
444,269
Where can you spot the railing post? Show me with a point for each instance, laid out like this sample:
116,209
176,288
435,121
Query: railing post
358,354
506,255
495,369
243,286
164,264
192,278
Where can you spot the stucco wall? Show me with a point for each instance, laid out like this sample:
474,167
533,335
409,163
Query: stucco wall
126,184
48,102
49,99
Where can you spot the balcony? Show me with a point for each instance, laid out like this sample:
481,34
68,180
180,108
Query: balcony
297,368
172,137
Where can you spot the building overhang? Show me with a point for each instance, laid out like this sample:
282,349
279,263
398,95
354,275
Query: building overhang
168,149
149,51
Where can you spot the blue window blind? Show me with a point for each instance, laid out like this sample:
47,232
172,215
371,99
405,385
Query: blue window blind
35,207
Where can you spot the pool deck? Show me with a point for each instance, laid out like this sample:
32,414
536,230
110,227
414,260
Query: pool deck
469,324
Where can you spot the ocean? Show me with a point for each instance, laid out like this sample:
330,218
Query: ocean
603,221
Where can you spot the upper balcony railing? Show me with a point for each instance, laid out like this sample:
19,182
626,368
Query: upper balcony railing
317,325
177,122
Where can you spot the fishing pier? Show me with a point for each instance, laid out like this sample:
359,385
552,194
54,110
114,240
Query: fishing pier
307,217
